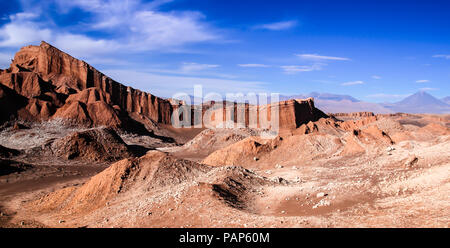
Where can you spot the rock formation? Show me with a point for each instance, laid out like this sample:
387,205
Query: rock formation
44,83
53,84
292,114
96,145
242,151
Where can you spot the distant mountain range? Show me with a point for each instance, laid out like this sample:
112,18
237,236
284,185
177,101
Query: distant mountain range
420,102
334,103
446,99
321,96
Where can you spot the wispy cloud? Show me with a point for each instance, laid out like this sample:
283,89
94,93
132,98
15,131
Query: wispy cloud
423,81
324,81
445,56
22,29
376,77
131,26
317,63
320,57
167,85
190,69
5,59
352,83
193,67
23,16
276,26
293,69
388,96
254,65
428,89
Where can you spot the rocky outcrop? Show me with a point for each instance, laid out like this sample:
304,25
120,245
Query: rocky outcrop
242,152
97,113
95,145
48,74
51,84
292,114
90,95
28,84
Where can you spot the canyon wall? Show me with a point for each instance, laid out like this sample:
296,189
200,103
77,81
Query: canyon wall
44,83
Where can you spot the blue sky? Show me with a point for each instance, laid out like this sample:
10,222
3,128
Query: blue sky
376,51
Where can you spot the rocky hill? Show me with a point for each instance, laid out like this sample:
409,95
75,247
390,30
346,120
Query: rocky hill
44,83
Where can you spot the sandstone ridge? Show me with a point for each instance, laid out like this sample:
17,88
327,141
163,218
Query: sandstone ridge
45,83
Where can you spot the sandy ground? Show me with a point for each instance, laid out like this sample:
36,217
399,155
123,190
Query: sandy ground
305,181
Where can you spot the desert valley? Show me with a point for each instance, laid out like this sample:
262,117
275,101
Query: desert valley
79,149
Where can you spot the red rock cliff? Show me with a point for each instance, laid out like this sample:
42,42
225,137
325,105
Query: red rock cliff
44,66
292,113
49,84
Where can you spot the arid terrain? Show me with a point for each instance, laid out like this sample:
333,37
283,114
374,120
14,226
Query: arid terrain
78,149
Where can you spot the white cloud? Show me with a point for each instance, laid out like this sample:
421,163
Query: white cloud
131,26
428,89
254,65
276,26
293,69
164,85
23,16
205,72
445,56
79,45
167,29
23,30
193,67
320,57
352,83
5,59
146,28
376,77
388,96
19,33
422,81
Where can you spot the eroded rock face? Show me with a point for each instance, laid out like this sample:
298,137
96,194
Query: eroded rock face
48,74
292,114
28,84
53,84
